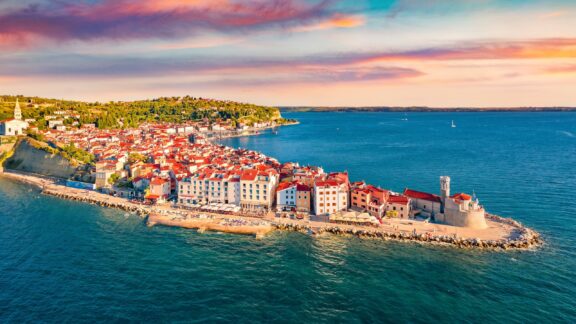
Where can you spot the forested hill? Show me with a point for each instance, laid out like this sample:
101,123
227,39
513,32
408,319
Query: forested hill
132,113
423,109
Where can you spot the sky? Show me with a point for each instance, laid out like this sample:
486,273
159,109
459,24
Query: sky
438,53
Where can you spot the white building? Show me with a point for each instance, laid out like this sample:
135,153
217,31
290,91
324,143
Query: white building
234,190
14,126
330,196
209,187
286,195
186,197
460,209
258,189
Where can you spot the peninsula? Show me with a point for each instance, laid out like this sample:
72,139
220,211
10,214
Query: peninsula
170,170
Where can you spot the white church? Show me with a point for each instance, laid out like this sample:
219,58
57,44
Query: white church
13,126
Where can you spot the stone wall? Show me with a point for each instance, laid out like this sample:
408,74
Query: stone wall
470,219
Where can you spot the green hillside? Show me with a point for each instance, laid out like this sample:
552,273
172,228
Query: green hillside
132,113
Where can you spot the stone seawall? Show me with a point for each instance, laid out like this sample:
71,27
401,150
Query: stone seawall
127,206
526,239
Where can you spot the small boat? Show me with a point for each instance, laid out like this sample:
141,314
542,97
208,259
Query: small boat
405,118
453,125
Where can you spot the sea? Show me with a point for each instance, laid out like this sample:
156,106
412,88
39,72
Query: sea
64,261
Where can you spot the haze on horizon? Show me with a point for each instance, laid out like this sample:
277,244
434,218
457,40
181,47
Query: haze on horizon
441,53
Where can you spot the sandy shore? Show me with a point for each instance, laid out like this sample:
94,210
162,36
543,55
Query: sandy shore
502,233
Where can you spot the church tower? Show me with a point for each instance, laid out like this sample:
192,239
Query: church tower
17,111
444,189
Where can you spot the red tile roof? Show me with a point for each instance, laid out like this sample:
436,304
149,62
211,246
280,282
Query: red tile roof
422,195
248,175
403,200
158,181
285,185
302,187
462,196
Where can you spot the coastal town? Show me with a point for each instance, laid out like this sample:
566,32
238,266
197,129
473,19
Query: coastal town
181,175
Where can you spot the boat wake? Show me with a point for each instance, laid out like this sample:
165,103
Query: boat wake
567,133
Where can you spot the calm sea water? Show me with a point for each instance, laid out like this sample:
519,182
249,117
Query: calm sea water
62,261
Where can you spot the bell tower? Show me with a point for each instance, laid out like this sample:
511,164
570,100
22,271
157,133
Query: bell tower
444,188
17,111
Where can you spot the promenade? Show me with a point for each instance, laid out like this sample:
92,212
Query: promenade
502,233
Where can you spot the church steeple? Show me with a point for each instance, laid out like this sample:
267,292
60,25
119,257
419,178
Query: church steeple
17,111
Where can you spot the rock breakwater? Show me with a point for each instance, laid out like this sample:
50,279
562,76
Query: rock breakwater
100,201
524,238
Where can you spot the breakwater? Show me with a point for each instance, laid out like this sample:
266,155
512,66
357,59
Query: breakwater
523,238
100,201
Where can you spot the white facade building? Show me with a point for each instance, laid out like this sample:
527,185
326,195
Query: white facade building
209,188
258,189
286,196
330,197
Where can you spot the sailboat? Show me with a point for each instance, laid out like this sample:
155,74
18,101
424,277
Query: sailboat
453,125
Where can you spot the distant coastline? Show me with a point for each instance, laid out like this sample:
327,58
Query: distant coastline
425,109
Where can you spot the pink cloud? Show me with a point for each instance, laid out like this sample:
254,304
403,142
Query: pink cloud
337,21
132,19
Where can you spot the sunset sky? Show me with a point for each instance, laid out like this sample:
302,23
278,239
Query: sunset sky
441,53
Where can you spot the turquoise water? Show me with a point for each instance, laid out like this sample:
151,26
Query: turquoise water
63,261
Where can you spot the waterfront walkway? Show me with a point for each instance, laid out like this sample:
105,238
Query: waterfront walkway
501,232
